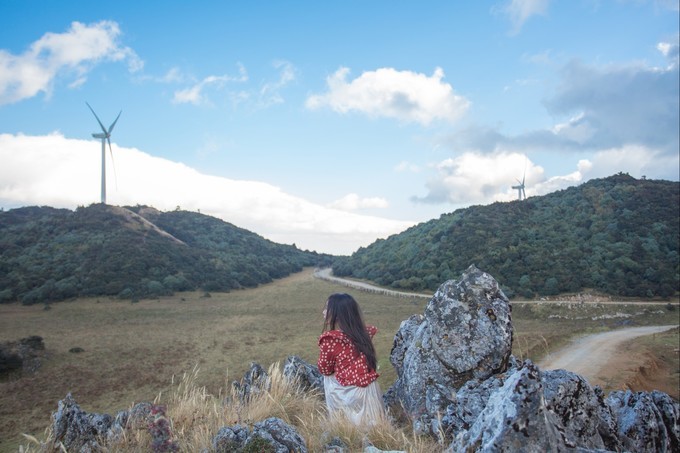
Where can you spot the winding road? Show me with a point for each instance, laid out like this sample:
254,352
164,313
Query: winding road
588,355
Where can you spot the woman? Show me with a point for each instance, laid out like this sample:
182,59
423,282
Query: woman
347,360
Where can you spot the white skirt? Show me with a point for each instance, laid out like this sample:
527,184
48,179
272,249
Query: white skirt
361,405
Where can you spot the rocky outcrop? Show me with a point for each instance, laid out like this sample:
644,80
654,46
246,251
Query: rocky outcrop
647,421
272,434
465,333
305,375
254,381
80,431
458,382
77,430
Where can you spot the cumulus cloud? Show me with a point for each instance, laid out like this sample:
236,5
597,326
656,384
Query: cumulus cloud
195,94
71,54
474,178
619,105
404,95
519,11
353,202
60,172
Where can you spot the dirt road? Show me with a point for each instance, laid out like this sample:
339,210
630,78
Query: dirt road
588,356
327,274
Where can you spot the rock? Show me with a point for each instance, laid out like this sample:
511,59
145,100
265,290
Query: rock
457,381
76,429
272,433
230,438
647,421
515,419
465,333
467,403
336,445
307,376
372,449
586,419
254,381
283,437
137,418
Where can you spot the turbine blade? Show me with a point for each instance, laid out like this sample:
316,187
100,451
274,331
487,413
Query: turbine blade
95,115
113,163
114,122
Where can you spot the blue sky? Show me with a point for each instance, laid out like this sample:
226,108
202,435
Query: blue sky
332,124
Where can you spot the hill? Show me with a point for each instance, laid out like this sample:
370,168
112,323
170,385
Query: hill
49,254
616,235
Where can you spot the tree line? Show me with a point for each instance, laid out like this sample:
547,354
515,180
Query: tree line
616,235
49,254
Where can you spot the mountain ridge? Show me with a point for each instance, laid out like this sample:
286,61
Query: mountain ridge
616,235
49,254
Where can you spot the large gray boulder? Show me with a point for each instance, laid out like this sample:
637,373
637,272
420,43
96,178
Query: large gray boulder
456,380
586,420
465,333
515,418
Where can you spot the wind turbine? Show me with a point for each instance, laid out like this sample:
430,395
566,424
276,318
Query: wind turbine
105,136
520,188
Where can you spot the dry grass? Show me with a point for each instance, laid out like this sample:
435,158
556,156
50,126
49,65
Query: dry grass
133,350
197,415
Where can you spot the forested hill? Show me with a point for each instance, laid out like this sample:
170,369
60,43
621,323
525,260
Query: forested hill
616,235
49,254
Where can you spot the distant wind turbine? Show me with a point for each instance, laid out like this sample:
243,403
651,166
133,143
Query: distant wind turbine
105,136
520,188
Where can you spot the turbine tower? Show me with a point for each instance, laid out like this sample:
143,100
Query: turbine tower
520,188
105,136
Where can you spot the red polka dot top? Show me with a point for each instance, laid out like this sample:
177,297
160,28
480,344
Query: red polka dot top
338,355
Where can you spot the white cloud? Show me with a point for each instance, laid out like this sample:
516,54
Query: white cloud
195,94
519,11
670,50
270,92
386,92
473,178
69,54
60,172
353,202
635,160
476,178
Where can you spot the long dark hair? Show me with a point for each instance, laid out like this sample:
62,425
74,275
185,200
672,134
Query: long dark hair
343,312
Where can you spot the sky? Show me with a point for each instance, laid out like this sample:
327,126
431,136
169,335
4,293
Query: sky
329,125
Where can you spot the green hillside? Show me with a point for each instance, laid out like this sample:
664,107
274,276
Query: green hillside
49,254
616,235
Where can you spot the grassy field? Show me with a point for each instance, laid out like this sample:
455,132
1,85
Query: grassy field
133,350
